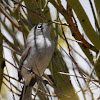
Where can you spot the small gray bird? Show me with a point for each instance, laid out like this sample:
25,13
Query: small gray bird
36,56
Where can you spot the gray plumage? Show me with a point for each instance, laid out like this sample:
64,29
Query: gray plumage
36,56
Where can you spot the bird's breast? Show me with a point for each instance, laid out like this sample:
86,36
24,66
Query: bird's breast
43,43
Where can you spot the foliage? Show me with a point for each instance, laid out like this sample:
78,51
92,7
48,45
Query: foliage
17,17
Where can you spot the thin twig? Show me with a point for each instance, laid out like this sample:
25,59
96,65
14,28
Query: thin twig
39,14
10,63
12,50
10,84
10,89
53,95
10,44
2,9
12,78
78,76
12,35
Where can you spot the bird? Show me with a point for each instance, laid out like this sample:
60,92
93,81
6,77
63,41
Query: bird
36,56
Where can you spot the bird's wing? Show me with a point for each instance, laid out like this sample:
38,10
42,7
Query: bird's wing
23,57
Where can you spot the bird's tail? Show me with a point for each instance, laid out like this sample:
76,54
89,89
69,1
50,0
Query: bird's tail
26,93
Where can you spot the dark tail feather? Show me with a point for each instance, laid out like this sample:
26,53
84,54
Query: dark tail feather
27,90
26,93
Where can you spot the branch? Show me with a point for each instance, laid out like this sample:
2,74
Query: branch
92,35
72,25
11,44
12,35
2,9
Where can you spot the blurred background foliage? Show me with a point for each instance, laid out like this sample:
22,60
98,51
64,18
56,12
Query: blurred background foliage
74,70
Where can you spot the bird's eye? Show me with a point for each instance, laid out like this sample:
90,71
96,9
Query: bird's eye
39,26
